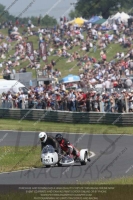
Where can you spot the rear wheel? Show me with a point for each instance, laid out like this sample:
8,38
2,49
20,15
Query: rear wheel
85,159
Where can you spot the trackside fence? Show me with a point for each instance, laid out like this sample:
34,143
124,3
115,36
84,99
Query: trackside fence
68,117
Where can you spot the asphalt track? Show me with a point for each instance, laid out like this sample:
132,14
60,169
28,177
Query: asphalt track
113,158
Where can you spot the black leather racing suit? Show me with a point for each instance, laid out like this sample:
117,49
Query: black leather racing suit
51,141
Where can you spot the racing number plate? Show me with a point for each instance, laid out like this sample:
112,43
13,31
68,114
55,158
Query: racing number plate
46,160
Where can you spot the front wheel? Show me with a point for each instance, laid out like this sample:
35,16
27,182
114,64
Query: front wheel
59,165
48,166
85,159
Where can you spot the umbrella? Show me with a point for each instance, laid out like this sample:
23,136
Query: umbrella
70,22
79,21
70,78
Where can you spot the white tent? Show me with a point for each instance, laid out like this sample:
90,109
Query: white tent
116,16
111,19
122,16
108,21
125,15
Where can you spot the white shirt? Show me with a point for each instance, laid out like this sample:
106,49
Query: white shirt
128,82
71,96
122,54
103,71
81,36
9,62
15,29
127,72
114,27
90,25
94,32
81,75
8,71
92,80
120,40
91,45
107,84
103,84
9,97
98,86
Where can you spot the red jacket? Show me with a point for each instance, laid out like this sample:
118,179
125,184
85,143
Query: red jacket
64,144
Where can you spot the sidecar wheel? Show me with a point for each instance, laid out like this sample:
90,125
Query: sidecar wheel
85,159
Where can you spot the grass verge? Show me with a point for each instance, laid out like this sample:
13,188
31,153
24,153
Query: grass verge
115,181
14,158
19,158
26,125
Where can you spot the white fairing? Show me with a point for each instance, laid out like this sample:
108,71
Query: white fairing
49,158
67,161
82,154
67,164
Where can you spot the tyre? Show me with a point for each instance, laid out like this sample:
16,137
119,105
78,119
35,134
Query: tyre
48,166
85,159
59,165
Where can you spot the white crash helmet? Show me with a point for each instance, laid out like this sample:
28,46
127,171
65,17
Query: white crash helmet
43,137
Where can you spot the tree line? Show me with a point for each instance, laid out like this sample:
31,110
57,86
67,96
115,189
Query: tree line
47,20
104,8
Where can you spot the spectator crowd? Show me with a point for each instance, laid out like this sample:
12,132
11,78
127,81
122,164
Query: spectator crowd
100,79
50,98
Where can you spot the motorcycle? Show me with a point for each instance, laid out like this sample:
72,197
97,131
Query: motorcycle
49,157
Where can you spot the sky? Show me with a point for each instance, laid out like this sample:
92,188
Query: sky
55,8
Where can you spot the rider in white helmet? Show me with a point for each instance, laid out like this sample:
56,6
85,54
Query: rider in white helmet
43,137
49,140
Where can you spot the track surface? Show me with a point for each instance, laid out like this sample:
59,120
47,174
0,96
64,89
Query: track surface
114,158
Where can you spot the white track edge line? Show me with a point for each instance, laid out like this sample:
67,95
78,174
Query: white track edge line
18,171
64,132
93,154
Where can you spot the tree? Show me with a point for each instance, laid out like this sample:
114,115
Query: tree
48,21
73,14
45,21
2,8
4,14
94,7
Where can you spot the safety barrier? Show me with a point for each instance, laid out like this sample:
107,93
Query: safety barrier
68,117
